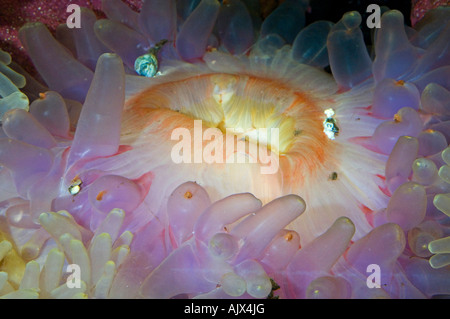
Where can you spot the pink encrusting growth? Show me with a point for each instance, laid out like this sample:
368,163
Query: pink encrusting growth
362,179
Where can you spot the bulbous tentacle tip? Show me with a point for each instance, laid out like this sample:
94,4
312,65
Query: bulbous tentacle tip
192,39
345,223
286,20
280,251
213,220
406,122
351,20
233,285
310,45
7,72
98,129
88,46
233,246
420,237
54,62
441,248
22,126
441,202
114,191
349,60
317,257
407,206
118,11
395,55
158,19
234,27
391,95
223,246
51,111
399,163
30,25
446,155
371,248
5,57
431,142
186,203
425,171
258,284
435,99
123,40
258,229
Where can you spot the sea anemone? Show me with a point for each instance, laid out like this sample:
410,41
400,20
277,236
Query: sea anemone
193,150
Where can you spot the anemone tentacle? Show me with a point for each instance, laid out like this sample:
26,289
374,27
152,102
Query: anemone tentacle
356,160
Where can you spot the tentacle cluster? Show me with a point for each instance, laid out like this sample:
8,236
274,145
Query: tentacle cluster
11,82
73,191
98,255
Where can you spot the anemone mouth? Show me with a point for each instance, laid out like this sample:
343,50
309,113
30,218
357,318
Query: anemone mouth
209,236
239,105
309,163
